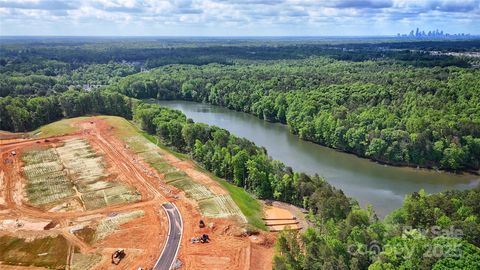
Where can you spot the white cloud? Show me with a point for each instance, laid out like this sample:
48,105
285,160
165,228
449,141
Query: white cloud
236,17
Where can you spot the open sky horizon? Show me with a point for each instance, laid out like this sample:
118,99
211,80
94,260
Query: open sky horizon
236,18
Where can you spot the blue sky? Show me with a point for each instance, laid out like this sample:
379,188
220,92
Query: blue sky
236,17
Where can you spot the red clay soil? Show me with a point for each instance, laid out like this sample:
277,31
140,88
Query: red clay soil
278,219
279,215
142,238
8,137
229,247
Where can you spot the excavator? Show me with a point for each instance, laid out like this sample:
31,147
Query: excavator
201,239
117,256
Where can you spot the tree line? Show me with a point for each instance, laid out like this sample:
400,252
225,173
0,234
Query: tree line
439,231
20,114
44,78
241,162
373,99
343,234
427,117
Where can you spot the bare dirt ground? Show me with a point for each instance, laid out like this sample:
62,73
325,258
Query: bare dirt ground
279,216
9,137
142,237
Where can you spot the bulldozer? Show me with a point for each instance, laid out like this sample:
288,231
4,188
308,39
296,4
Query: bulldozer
117,256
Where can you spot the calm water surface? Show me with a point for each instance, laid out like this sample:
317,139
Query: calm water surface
368,182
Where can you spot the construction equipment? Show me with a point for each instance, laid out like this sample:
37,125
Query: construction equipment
201,239
117,256
204,238
201,224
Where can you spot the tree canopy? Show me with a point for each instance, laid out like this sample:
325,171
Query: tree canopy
389,101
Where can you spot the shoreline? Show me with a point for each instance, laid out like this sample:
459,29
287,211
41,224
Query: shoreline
414,167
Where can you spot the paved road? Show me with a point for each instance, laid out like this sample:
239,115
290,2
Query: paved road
170,250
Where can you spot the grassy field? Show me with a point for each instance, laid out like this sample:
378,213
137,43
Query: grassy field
48,252
108,225
192,189
53,173
58,128
47,181
249,206
84,261
154,140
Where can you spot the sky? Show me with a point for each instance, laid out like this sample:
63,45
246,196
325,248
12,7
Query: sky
236,17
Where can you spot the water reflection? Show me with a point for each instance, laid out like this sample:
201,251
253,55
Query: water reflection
382,186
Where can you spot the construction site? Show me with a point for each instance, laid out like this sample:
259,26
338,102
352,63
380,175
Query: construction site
102,196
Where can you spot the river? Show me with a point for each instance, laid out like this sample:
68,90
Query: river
382,186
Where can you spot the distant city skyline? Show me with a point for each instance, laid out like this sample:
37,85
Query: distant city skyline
436,33
237,17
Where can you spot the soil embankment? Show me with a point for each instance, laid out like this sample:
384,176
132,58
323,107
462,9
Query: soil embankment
92,229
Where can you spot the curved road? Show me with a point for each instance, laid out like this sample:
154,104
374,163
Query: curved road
175,228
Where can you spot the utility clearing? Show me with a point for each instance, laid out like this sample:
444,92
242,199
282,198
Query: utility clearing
79,195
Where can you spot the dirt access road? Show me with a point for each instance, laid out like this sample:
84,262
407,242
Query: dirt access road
142,238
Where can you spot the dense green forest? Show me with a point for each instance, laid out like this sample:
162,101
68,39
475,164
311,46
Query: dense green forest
389,101
22,113
377,109
344,236
446,225
392,102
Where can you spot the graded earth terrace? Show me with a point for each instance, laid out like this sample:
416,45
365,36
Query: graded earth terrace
70,201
